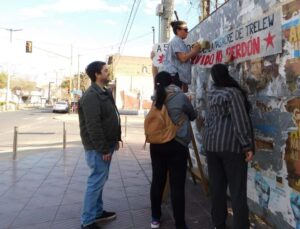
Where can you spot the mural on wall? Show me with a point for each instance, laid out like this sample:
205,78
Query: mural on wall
264,37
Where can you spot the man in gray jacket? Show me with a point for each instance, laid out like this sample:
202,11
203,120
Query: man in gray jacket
100,133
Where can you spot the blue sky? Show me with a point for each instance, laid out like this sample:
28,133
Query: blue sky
93,28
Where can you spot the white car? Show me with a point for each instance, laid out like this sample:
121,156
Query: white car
61,106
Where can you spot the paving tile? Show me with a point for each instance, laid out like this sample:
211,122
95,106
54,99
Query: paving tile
39,201
141,218
35,216
77,187
46,225
71,211
72,197
66,224
116,204
135,181
139,202
133,191
114,193
6,219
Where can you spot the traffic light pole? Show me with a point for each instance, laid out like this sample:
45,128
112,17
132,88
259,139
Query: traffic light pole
70,83
78,74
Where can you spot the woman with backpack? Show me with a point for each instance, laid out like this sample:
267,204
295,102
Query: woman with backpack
171,156
229,145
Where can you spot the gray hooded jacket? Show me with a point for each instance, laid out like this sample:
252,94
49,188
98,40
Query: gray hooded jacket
178,104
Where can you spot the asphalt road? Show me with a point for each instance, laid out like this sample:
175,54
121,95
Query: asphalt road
38,129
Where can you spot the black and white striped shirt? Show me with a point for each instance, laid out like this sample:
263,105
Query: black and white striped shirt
227,124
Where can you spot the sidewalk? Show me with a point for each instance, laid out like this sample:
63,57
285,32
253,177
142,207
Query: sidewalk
44,189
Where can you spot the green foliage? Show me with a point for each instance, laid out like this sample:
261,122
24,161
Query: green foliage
65,84
3,79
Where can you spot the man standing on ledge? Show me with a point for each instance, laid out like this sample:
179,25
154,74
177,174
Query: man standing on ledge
100,133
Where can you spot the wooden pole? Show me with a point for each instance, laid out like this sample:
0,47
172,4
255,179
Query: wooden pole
15,143
64,135
202,176
125,125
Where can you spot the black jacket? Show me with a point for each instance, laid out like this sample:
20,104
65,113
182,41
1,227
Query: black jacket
99,119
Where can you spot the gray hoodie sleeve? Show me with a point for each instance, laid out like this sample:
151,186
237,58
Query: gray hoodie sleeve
188,108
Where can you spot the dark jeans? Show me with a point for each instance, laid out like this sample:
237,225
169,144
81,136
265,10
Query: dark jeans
172,157
228,168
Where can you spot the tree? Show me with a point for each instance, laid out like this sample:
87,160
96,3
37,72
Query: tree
65,84
3,79
85,81
23,85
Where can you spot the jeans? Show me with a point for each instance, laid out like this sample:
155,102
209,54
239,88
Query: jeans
228,169
169,157
99,169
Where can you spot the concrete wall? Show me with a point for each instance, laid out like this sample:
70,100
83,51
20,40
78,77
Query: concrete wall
134,92
264,36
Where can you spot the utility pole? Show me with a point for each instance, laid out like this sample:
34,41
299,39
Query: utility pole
8,75
49,92
78,72
71,66
165,19
205,8
11,32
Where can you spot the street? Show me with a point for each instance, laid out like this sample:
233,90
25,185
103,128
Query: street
38,128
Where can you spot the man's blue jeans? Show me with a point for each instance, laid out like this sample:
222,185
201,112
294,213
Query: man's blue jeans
93,203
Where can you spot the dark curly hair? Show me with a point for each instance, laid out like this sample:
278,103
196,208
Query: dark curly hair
93,68
177,25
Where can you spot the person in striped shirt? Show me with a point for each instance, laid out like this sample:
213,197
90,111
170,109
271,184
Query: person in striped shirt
229,145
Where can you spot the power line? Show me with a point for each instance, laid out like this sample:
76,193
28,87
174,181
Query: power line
116,44
128,21
136,9
120,52
53,53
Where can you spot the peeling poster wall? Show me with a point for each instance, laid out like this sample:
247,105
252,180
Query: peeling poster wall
264,36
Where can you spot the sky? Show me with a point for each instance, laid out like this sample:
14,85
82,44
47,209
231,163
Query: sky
92,29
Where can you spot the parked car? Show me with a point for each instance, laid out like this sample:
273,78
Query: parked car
61,106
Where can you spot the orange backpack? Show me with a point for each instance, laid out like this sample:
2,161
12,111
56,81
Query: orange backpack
158,126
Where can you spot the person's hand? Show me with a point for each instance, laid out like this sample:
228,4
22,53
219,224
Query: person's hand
106,157
152,55
249,156
196,47
229,58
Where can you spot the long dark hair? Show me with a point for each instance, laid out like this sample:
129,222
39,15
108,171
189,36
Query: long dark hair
162,80
221,78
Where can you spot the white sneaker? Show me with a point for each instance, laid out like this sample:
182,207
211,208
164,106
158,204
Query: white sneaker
155,223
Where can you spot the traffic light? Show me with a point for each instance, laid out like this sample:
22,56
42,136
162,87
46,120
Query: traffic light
68,90
29,46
